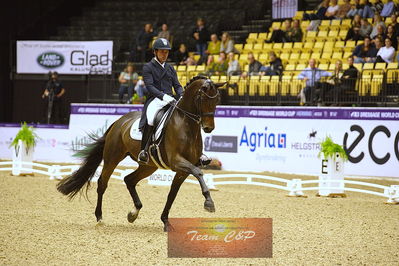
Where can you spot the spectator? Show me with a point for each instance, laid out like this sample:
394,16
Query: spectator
388,9
164,33
386,53
332,10
365,28
294,34
222,64
227,44
127,79
377,6
320,13
395,24
311,75
53,95
343,9
367,11
275,67
143,41
141,91
181,55
201,36
191,60
380,32
213,45
253,67
279,35
378,43
391,35
345,84
211,66
377,20
364,53
354,34
356,9
234,65
333,81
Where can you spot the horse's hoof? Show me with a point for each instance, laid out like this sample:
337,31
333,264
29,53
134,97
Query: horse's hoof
100,223
132,216
209,207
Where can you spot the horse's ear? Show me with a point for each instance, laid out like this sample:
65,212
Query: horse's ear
220,84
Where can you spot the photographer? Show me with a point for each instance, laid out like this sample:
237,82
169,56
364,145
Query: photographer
53,96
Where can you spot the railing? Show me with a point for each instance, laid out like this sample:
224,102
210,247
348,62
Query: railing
295,187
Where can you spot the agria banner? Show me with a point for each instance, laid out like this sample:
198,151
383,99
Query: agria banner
40,57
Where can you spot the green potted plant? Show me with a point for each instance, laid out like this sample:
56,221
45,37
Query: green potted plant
332,168
23,147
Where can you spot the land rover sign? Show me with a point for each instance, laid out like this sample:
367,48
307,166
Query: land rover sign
50,60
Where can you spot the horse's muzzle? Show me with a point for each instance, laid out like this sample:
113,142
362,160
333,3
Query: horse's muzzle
208,129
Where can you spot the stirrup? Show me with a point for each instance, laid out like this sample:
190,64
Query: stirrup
143,157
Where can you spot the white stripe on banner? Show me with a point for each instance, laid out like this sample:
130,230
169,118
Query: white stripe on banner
284,8
40,57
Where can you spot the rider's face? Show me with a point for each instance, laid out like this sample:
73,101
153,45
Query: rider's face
162,55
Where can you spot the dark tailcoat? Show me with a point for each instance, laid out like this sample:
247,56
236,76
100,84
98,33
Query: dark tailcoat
159,81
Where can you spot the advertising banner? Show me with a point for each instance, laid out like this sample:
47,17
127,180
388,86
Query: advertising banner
40,57
273,139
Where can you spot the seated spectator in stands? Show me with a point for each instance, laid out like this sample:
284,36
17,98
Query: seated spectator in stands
380,32
343,9
141,90
364,53
365,28
354,34
234,65
377,20
164,33
388,9
356,9
210,66
386,53
275,67
294,34
127,79
279,35
333,81
345,84
395,24
191,60
377,6
320,13
143,41
213,45
311,75
201,36
377,43
227,44
390,33
181,55
332,10
221,65
367,11
253,68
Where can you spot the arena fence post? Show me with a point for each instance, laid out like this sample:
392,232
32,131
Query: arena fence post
54,172
295,187
209,182
393,194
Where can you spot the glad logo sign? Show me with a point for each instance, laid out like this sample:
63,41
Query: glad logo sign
50,60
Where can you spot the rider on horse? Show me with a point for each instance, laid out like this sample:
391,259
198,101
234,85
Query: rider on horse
159,78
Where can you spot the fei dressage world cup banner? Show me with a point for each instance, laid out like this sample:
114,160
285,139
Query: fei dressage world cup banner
40,57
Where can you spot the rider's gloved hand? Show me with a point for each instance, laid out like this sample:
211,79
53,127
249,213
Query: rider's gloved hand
168,99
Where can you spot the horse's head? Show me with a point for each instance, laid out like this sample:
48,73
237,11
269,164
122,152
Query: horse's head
207,98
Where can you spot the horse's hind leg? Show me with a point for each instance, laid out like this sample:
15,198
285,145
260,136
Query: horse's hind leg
131,181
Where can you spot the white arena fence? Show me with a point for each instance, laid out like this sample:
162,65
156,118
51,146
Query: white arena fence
295,187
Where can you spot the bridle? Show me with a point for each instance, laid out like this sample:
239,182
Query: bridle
198,117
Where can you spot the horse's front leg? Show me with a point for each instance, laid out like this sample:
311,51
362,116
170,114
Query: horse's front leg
187,167
177,181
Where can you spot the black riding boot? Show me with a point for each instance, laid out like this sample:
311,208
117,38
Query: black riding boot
145,143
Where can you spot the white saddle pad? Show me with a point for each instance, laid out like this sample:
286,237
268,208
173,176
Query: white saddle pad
136,134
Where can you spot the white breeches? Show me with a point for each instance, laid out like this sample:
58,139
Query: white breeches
153,108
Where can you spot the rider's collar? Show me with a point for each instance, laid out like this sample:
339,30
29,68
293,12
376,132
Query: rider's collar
162,65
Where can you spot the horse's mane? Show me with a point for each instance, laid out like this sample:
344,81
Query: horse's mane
194,79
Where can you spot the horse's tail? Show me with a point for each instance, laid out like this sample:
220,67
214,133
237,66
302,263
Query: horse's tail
92,155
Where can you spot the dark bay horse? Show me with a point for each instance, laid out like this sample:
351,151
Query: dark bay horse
180,148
